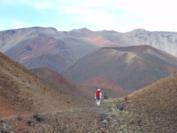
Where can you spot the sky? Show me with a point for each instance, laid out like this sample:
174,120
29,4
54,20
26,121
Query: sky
119,15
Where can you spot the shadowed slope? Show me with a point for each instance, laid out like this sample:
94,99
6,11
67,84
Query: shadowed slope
56,81
22,92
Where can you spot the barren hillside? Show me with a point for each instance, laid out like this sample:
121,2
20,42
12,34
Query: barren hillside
37,47
130,67
149,110
56,81
21,92
158,103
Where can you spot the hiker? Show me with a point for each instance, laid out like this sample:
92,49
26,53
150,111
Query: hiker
98,96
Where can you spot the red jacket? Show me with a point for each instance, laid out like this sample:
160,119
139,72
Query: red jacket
97,94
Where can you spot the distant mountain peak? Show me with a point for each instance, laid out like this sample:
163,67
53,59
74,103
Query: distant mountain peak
81,30
33,28
124,65
140,48
139,30
144,49
110,31
47,30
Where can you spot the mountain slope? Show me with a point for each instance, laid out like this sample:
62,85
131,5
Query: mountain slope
21,92
11,38
51,76
157,103
44,47
109,88
130,67
38,47
152,109
56,81
165,41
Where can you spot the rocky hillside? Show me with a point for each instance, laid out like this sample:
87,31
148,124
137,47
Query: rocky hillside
43,47
157,102
130,67
56,81
21,92
152,109
165,41
38,47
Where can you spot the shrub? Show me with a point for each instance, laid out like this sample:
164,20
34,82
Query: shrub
19,118
38,117
30,122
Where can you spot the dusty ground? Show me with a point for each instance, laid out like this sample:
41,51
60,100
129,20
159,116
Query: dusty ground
104,119
150,110
113,116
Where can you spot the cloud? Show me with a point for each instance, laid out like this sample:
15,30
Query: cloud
121,15
152,15
95,14
124,15
42,5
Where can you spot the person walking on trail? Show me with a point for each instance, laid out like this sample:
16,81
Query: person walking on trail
98,96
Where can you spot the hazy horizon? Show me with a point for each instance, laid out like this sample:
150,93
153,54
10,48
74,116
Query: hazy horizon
87,29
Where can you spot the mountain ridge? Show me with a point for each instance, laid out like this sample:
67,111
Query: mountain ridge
127,66
69,46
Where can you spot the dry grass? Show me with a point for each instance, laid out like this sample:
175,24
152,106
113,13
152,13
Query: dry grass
150,110
157,105
22,92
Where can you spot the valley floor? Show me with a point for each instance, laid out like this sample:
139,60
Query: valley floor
110,117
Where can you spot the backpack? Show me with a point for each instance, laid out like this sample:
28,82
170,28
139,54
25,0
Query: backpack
97,93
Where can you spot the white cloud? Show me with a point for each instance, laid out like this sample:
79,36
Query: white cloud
151,14
155,14
42,5
122,15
